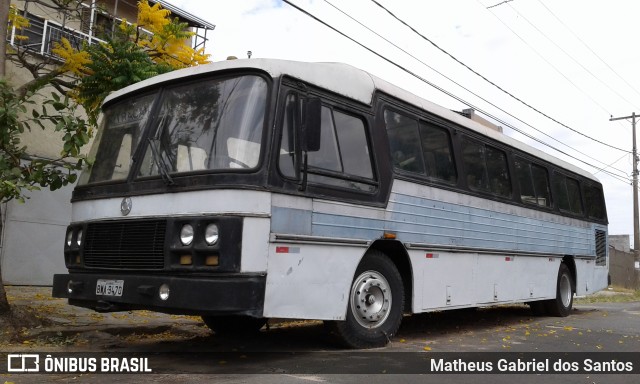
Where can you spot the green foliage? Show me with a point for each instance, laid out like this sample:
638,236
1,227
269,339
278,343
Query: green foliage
130,56
114,65
19,173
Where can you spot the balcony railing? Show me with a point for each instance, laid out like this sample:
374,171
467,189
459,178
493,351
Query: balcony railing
43,34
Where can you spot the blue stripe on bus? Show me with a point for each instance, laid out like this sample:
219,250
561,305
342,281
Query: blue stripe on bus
425,221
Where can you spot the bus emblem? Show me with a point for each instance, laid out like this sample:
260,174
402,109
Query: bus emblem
125,206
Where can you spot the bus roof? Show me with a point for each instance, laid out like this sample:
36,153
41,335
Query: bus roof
350,82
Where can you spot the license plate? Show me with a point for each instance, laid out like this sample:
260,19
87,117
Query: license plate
109,287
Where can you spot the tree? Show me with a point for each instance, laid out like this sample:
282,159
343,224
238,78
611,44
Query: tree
82,81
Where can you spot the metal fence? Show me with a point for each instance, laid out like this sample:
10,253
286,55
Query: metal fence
43,34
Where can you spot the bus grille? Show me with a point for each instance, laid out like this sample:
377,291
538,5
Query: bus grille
601,247
137,244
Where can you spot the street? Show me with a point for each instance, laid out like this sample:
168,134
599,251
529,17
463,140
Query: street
303,351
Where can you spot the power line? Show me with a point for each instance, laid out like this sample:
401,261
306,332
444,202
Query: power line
552,66
571,57
499,4
497,86
468,90
442,89
589,48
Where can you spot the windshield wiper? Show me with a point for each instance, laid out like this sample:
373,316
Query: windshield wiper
163,169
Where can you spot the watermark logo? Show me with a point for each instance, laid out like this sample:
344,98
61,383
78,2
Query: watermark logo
23,362
76,363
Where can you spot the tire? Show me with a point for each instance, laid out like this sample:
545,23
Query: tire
376,303
234,325
562,304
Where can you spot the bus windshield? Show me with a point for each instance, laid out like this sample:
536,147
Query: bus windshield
210,125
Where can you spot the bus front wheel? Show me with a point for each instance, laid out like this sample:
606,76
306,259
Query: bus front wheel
234,325
562,304
376,302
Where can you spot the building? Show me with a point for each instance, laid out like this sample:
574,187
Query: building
32,234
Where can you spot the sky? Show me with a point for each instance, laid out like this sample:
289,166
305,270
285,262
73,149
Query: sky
573,60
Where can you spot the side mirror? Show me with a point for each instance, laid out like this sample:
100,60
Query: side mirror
311,124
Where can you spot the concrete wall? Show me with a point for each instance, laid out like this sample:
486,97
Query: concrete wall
33,237
622,269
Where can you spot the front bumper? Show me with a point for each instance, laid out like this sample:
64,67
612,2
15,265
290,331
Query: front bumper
229,294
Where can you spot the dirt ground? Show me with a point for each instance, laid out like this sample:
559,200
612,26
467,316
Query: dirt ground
37,319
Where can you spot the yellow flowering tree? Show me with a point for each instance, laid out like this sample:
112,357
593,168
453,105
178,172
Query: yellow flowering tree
85,76
155,44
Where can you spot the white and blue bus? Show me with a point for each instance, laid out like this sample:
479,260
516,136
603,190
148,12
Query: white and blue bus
252,189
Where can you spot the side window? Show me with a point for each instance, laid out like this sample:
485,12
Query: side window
568,191
474,165
438,156
404,141
594,200
327,157
287,156
354,148
498,171
343,157
534,183
486,168
541,185
525,181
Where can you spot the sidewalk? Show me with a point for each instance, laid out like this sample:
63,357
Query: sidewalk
69,325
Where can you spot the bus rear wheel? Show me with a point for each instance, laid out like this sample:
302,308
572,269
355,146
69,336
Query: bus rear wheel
376,302
234,325
562,304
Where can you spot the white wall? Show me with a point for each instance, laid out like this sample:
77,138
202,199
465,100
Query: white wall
33,237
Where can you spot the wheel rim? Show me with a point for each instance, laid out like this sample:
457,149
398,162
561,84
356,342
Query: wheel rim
565,290
370,299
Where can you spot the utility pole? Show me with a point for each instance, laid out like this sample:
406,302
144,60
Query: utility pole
636,225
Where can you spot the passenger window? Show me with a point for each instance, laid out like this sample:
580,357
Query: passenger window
498,171
404,141
486,168
595,202
568,190
525,182
438,156
534,183
541,185
474,165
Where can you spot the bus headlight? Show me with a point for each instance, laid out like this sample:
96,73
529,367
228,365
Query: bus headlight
211,234
69,237
186,234
79,237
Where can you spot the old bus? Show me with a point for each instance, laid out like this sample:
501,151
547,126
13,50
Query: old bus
253,189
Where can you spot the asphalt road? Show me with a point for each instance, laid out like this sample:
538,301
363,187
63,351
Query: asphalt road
507,340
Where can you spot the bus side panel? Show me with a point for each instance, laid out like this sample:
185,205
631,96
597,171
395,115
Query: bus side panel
591,278
255,244
308,281
453,280
503,279
447,280
600,279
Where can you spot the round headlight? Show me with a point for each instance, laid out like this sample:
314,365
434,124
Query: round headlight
79,238
69,237
211,234
186,234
